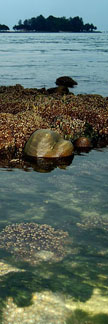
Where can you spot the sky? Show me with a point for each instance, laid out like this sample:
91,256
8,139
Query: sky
92,11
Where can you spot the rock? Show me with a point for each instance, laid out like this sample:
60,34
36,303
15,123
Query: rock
83,143
47,144
66,81
61,90
42,91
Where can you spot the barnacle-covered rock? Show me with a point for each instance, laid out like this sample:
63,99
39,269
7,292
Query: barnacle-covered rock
48,144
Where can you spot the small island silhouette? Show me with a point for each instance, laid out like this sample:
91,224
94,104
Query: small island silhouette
51,24
54,24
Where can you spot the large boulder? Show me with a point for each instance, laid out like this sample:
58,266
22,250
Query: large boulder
47,144
66,81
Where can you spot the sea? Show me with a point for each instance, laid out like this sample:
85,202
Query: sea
38,59
59,273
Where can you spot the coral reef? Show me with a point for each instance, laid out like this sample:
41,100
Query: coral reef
33,242
23,111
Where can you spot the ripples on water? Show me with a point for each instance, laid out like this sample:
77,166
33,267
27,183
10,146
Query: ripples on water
73,200
36,60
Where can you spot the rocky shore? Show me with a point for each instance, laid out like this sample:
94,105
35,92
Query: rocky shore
23,111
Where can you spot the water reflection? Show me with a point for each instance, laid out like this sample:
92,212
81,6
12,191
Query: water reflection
47,165
42,165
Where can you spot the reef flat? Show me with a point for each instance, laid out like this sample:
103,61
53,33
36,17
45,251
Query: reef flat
22,111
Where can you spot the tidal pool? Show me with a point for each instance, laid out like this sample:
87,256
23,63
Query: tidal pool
54,243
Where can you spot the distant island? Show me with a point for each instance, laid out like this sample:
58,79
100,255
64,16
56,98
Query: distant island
54,24
4,28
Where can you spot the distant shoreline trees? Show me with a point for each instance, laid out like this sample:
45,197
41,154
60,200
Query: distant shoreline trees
4,28
54,24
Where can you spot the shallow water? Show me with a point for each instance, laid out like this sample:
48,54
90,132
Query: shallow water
66,281
75,201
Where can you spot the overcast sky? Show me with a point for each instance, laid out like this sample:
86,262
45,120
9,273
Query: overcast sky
92,11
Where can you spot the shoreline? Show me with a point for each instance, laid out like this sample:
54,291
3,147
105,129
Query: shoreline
24,110
41,32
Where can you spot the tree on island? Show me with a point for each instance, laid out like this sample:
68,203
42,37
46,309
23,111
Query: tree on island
54,24
4,28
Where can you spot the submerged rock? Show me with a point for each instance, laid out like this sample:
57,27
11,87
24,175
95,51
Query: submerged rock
66,81
48,144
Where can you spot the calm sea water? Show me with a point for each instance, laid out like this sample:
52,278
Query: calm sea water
73,199
36,60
